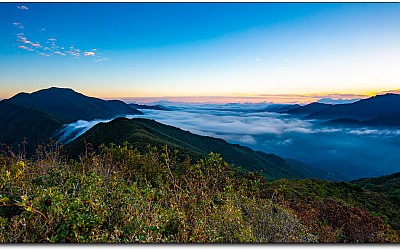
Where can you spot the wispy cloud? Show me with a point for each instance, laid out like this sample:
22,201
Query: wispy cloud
25,48
59,53
22,7
18,25
72,131
88,53
101,59
43,54
52,46
394,91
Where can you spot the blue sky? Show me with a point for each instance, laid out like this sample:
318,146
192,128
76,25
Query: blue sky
200,49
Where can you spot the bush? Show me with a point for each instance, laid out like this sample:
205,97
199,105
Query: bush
121,195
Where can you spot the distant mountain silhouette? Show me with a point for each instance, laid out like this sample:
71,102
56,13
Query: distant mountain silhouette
308,109
383,110
154,107
142,132
337,101
71,106
279,108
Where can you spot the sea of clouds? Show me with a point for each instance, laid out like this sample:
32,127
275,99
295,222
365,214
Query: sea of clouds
354,152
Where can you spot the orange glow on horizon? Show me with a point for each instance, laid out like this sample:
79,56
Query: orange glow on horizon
144,97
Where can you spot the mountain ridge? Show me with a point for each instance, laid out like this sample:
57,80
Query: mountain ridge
366,109
71,106
141,132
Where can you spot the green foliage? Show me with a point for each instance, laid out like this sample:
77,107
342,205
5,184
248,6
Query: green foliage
389,184
340,211
123,195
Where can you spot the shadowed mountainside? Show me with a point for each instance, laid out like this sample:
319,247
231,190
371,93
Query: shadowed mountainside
308,109
377,110
19,123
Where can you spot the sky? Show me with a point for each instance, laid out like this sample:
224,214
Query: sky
281,52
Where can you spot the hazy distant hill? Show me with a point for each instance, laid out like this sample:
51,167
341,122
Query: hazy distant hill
154,107
337,101
141,132
279,108
308,109
71,106
377,110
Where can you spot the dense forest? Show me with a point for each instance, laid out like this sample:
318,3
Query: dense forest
119,194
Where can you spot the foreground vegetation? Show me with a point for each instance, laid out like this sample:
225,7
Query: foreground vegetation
121,195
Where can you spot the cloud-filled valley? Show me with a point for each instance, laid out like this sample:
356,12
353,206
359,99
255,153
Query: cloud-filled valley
355,152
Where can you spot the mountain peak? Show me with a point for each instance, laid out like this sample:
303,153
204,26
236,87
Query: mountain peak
70,106
58,89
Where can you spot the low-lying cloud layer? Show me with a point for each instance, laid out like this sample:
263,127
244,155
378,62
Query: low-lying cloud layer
355,152
73,130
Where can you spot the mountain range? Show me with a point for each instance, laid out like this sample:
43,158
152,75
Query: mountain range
36,117
363,210
380,110
154,107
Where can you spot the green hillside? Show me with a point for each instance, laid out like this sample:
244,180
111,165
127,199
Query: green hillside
389,184
141,132
317,193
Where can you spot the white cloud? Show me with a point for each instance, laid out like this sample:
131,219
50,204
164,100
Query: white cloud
88,53
59,53
322,146
22,7
73,130
18,25
285,142
101,59
50,45
25,48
